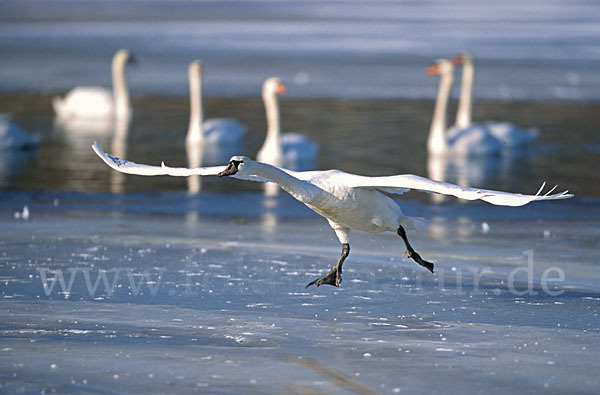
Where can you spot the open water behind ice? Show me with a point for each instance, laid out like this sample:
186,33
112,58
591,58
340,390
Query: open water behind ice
536,49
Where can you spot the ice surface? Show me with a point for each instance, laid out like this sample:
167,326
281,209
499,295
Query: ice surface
164,297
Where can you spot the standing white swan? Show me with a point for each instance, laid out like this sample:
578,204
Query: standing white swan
346,200
475,140
507,133
93,102
289,149
13,137
214,130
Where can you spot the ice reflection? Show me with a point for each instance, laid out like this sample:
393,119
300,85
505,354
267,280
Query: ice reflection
208,154
85,126
474,171
119,148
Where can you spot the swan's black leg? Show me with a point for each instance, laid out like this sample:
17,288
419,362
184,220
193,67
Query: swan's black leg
334,276
411,253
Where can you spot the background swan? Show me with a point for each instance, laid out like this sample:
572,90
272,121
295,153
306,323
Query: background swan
292,150
467,141
212,131
507,133
99,102
347,201
13,137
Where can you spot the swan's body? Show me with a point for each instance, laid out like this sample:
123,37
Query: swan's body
289,149
508,134
214,131
93,102
472,140
347,201
13,137
511,135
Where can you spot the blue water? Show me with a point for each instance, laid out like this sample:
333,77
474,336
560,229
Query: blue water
542,49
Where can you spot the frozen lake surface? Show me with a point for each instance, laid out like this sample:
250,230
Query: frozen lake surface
176,293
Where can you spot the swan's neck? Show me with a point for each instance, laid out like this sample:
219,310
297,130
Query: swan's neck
436,142
120,91
463,114
195,134
299,189
271,149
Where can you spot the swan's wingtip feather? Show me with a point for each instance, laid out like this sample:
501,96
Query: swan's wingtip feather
541,188
551,190
97,149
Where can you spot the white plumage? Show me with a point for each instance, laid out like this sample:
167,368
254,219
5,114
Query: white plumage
508,134
292,150
214,131
347,201
471,140
93,102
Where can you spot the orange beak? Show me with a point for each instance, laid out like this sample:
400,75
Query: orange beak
432,70
458,60
281,89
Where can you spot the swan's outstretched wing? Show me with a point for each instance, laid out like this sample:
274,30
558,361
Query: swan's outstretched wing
125,166
402,183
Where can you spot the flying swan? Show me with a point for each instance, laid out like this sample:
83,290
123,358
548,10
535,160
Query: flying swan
347,201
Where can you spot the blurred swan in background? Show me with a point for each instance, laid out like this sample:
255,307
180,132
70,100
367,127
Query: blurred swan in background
17,147
93,102
13,137
507,133
292,150
211,131
473,140
208,141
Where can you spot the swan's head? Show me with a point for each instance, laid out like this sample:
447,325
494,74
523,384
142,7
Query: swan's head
273,86
195,68
238,165
123,56
441,66
463,58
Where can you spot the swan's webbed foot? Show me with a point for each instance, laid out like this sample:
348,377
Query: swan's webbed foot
411,253
333,276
